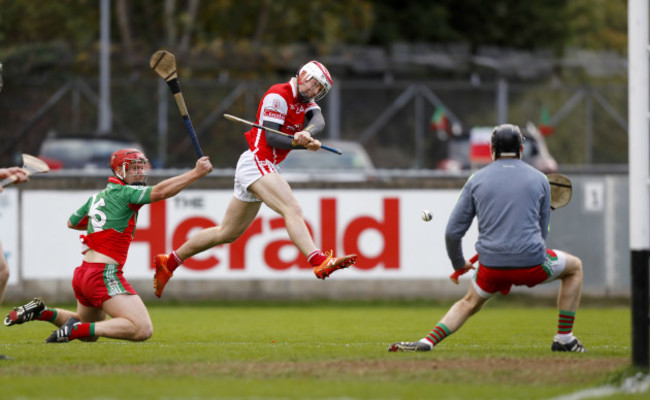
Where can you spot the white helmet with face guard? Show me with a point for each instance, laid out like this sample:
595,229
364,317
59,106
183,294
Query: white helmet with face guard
314,81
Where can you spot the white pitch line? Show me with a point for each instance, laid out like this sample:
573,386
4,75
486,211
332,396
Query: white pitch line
633,385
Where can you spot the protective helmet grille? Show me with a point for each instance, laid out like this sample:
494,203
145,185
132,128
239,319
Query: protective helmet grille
506,141
122,160
317,71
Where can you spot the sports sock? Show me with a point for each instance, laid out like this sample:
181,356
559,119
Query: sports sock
438,333
82,331
316,257
174,261
47,315
565,324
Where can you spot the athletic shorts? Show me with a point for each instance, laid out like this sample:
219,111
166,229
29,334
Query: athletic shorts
94,283
249,169
488,281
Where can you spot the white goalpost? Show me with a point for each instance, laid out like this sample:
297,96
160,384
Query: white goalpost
639,177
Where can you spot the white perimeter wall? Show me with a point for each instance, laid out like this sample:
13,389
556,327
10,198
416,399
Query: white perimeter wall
382,226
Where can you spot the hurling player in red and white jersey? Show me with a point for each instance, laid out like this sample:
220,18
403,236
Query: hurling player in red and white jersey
290,108
109,218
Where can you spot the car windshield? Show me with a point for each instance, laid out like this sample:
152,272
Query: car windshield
83,152
354,158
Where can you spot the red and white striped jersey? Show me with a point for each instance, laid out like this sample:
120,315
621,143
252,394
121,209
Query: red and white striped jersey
280,105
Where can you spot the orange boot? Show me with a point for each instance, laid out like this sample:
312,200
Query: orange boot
332,264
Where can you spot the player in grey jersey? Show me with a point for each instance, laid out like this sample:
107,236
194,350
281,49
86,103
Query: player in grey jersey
511,201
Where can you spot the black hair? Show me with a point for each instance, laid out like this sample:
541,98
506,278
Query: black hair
507,141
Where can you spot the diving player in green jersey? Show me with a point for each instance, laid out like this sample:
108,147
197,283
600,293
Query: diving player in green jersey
109,218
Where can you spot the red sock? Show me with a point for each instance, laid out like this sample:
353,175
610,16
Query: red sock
173,262
82,331
316,257
47,315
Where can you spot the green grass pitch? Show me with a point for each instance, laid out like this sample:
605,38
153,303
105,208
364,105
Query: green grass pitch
328,350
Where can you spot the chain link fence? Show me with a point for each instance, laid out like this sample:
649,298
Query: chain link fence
391,119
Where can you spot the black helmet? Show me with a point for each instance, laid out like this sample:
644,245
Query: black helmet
507,141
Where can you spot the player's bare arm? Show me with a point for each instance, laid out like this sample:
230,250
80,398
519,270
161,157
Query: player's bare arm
172,186
19,175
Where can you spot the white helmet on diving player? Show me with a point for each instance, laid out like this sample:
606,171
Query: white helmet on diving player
314,81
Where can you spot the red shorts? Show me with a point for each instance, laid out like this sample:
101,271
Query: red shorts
94,283
488,281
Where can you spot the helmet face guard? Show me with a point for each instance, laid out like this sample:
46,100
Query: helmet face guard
314,81
506,141
130,166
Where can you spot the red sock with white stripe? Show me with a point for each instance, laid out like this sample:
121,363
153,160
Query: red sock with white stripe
316,257
174,261
80,331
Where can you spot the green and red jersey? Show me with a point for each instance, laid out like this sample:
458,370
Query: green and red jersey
112,215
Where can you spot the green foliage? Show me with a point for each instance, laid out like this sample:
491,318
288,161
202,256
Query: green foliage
507,23
416,21
511,23
75,22
320,351
322,24
598,25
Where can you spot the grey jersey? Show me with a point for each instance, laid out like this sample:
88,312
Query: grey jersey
512,203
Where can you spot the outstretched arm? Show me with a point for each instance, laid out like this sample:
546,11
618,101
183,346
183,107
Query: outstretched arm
172,186
17,175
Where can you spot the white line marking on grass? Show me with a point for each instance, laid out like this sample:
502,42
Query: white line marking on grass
633,385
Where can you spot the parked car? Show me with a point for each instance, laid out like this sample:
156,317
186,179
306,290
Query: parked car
82,152
354,164
471,150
